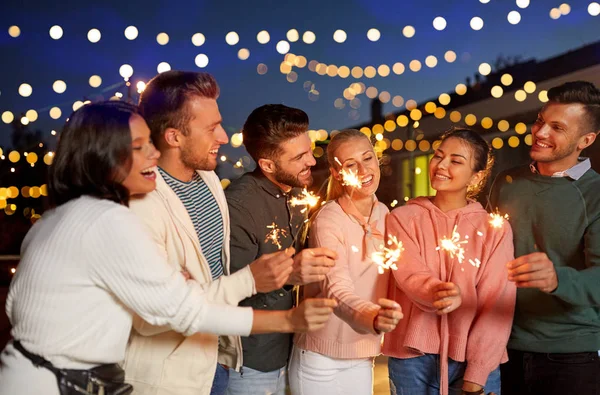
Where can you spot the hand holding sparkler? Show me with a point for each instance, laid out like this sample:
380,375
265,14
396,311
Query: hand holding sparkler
271,271
446,298
533,270
311,265
388,316
311,314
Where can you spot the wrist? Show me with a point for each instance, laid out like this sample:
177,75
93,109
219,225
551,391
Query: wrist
470,388
288,321
377,331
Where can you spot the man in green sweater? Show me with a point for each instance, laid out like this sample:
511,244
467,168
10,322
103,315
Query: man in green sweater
554,209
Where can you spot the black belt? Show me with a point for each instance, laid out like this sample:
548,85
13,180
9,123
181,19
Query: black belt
106,379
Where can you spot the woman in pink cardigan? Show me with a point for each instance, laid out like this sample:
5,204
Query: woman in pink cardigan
455,295
338,359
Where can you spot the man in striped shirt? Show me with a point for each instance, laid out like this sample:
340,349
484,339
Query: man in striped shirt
188,218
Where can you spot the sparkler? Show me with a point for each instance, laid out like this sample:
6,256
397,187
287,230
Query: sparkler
497,219
305,198
299,231
388,256
349,178
453,245
275,235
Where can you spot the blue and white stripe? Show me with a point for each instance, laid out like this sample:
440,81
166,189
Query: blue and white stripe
204,212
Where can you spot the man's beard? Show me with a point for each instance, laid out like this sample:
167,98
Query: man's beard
556,155
191,161
292,180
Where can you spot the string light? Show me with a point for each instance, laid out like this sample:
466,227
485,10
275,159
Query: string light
232,38
373,34
513,17
198,39
476,23
131,32
439,23
56,32
201,60
94,35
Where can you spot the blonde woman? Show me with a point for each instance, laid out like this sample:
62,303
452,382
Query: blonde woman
339,357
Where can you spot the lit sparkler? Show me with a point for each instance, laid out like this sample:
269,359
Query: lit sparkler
388,256
497,220
305,198
453,245
275,235
349,178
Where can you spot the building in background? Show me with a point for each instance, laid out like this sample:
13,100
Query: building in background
501,101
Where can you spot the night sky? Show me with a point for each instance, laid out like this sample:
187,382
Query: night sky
35,58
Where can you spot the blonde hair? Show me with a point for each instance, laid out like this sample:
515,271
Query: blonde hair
335,189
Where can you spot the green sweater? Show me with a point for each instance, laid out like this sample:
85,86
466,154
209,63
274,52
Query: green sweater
561,217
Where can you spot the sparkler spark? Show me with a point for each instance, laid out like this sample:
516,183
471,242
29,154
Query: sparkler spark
497,220
453,245
349,178
388,256
305,198
475,262
275,235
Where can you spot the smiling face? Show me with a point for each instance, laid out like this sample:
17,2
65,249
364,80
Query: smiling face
294,160
357,156
142,177
451,167
558,136
204,135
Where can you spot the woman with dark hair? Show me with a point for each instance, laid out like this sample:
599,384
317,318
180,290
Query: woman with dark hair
451,280
89,264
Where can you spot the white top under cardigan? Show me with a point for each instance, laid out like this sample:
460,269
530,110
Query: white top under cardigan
85,267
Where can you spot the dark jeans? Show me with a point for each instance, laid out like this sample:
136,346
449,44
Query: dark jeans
219,385
530,373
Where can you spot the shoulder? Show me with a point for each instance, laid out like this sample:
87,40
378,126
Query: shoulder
589,185
330,211
147,202
407,213
239,189
117,215
383,209
209,175
92,208
512,174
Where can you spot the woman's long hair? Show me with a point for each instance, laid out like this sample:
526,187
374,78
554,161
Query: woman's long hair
94,154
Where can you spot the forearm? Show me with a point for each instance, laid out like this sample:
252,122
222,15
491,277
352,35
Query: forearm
418,287
278,321
578,288
231,289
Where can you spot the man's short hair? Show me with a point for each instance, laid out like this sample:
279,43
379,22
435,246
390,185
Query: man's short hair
581,92
164,102
270,125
